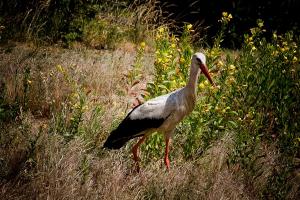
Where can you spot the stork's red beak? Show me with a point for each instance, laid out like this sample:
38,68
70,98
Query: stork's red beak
206,73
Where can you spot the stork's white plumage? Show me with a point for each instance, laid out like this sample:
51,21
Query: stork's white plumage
160,114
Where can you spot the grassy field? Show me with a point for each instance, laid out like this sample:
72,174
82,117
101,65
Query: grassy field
58,105
38,162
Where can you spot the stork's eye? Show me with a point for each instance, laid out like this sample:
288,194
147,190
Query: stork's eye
198,59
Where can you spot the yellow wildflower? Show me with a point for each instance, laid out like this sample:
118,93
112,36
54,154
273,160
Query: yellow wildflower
158,36
76,105
295,59
189,26
283,49
173,45
75,95
201,85
249,40
60,68
230,81
143,44
166,60
86,107
231,67
274,53
220,63
225,14
182,60
161,29
226,17
260,24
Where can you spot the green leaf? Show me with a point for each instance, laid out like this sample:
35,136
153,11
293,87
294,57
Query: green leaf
233,124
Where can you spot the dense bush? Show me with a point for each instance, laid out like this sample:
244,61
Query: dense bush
99,24
281,16
256,98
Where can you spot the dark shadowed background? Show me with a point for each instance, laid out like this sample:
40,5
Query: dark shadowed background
282,16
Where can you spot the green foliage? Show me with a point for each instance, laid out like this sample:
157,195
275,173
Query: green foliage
266,93
90,128
77,116
101,34
256,98
67,121
99,24
134,74
172,60
266,87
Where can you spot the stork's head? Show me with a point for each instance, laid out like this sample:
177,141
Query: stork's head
199,59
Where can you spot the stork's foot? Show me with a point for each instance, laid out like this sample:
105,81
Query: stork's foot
136,160
137,168
135,153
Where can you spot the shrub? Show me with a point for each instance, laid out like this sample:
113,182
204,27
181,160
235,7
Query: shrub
256,99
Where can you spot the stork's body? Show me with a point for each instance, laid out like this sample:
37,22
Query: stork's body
160,114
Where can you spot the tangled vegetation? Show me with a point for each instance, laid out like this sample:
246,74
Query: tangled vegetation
256,98
55,113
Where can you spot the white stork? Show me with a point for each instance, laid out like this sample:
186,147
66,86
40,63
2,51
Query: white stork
160,114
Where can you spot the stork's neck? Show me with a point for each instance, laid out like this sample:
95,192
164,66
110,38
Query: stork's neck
191,86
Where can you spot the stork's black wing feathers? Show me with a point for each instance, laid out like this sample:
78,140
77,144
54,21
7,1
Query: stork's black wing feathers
129,129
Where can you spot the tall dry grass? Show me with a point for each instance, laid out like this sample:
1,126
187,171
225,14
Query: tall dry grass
60,171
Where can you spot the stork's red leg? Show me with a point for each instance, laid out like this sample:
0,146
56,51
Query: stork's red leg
135,152
167,161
